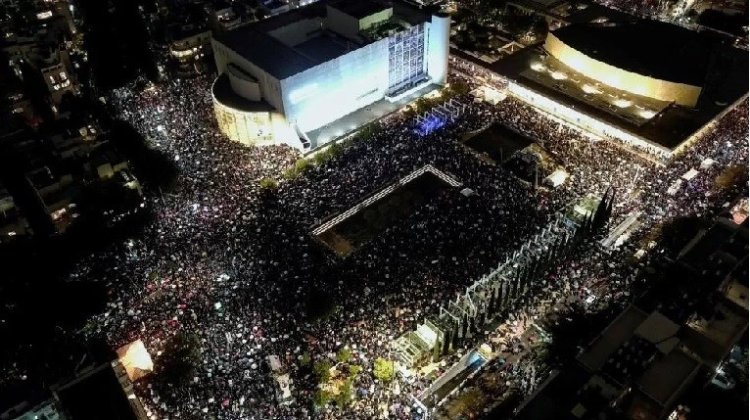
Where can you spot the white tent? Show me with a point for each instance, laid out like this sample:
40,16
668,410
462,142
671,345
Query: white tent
675,187
274,363
707,163
557,178
687,176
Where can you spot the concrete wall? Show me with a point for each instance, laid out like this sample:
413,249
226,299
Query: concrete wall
375,18
341,23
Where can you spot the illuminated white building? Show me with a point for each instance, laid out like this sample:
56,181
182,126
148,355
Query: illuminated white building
288,75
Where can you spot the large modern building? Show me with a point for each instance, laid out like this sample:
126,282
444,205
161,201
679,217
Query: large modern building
286,76
645,58
652,86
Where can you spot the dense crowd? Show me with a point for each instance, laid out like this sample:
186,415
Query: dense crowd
235,264
646,8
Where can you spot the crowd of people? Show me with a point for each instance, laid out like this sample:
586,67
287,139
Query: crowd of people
234,263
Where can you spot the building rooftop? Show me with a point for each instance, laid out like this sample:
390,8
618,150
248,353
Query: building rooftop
222,91
41,177
718,237
656,49
712,338
255,42
666,376
612,338
98,394
325,47
267,52
727,83
358,8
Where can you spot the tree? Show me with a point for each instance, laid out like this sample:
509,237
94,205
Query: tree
319,304
459,87
320,158
335,150
181,356
466,402
677,232
731,176
345,395
344,355
300,166
354,371
321,398
322,370
268,183
151,166
383,369
304,360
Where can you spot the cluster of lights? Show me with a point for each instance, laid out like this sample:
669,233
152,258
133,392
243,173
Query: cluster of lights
558,75
184,53
590,89
540,67
61,82
644,113
430,124
589,123
593,90
537,66
44,15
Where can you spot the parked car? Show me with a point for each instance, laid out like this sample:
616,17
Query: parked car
722,380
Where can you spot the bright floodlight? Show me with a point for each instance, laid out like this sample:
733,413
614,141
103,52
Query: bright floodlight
136,360
622,103
591,90
537,66
558,75
646,113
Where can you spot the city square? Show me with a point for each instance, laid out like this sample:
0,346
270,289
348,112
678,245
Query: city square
288,276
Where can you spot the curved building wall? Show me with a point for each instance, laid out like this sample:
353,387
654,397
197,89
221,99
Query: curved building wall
438,46
243,84
638,84
259,128
269,85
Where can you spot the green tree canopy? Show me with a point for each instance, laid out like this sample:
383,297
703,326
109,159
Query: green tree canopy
268,183
345,395
321,398
344,355
383,369
322,370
